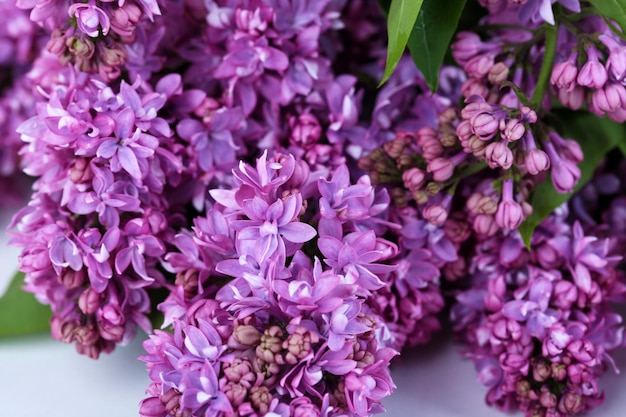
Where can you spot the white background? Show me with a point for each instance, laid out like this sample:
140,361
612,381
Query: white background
44,378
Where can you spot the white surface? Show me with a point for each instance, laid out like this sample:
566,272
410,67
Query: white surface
44,378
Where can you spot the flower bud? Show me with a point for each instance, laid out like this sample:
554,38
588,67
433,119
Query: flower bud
484,125
435,214
89,301
513,130
413,179
305,130
152,407
467,45
441,168
509,215
431,149
564,75
572,99
479,66
536,161
498,73
608,99
498,154
592,74
485,224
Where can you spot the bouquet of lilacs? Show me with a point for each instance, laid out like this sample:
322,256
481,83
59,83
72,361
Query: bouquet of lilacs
284,200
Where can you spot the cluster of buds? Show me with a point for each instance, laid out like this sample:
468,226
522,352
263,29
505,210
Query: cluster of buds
93,35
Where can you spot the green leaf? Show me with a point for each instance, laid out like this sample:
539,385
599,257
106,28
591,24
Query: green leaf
596,137
612,9
400,22
431,36
20,312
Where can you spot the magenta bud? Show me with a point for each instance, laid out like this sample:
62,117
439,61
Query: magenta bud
509,214
609,98
547,399
564,75
498,154
571,403
89,301
431,148
485,125
479,66
565,176
71,279
464,130
592,74
498,73
536,161
514,362
413,179
541,371
528,115
485,224
467,45
572,99
305,130
441,168
152,407
513,130
435,214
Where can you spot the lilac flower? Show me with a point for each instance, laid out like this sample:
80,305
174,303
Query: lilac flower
268,225
534,311
356,257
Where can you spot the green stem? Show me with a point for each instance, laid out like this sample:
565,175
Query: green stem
546,67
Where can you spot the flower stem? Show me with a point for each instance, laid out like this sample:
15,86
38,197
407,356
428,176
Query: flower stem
546,66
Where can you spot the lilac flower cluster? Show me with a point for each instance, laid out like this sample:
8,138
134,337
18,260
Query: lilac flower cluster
538,324
19,45
226,163
257,323
92,35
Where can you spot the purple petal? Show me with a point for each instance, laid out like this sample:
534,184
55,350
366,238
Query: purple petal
297,232
128,161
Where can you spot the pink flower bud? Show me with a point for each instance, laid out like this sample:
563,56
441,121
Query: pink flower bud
484,125
564,75
592,74
89,301
547,399
435,214
498,154
536,161
572,99
513,362
498,73
485,224
152,407
474,87
608,99
479,66
90,19
583,351
413,179
528,115
431,148
616,63
509,215
467,45
513,130
571,403
305,130
464,130
565,173
441,168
